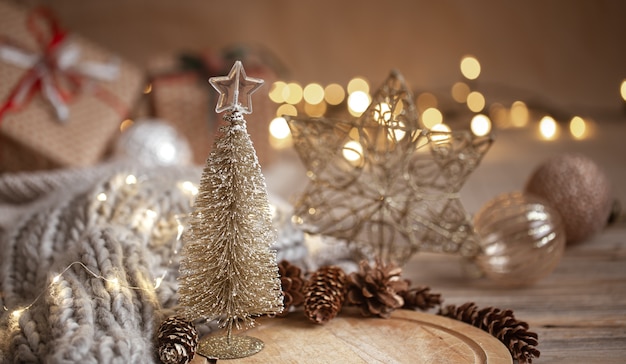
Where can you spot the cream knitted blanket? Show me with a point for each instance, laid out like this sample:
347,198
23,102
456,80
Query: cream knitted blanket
83,251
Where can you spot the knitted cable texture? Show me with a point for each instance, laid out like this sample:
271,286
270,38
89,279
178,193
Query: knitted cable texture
127,237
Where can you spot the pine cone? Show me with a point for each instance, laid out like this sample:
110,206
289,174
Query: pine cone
376,290
177,340
420,298
324,294
293,285
502,325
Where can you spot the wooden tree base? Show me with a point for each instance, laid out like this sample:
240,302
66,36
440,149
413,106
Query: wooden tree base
406,337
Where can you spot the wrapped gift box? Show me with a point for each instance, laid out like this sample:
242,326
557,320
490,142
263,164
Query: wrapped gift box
62,98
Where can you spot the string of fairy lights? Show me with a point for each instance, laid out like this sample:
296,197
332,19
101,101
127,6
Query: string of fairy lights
144,219
315,100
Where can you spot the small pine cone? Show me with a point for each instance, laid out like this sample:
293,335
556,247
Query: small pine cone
177,340
376,289
293,286
420,298
324,294
502,325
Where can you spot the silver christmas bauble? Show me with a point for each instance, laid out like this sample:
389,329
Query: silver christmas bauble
153,142
521,237
578,189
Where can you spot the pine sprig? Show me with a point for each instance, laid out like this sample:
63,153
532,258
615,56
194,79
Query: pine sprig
502,324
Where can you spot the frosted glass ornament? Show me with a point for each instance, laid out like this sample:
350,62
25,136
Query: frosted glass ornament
522,239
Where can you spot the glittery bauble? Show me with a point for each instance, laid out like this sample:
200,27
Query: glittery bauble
522,239
154,142
578,189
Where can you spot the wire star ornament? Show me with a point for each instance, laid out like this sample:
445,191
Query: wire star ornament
383,183
232,86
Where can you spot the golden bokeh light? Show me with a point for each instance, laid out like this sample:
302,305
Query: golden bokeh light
313,93
353,151
382,112
286,109
470,67
358,84
277,92
548,128
622,90
475,101
398,132
279,128
480,125
292,93
126,124
431,117
459,91
519,114
440,138
334,94
358,102
315,110
426,100
499,114
578,127
147,89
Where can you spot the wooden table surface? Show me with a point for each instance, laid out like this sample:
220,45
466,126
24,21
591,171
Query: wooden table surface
579,311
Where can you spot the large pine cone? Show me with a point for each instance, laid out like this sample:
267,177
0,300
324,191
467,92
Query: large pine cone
376,289
324,294
177,340
502,325
293,285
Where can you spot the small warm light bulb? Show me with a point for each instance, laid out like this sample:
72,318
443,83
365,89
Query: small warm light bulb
578,127
334,94
519,114
189,187
440,138
276,93
131,179
426,100
470,67
279,128
431,117
157,282
382,112
147,89
358,84
398,131
56,278
101,197
353,151
548,128
313,93
358,102
114,282
475,101
315,110
151,214
480,125
622,90
459,91
294,93
286,109
125,124
17,313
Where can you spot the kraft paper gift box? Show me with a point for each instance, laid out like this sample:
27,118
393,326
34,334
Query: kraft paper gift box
62,98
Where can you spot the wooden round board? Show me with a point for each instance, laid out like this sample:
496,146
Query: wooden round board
406,337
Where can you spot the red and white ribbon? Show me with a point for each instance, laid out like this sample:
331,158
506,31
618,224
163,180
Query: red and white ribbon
57,71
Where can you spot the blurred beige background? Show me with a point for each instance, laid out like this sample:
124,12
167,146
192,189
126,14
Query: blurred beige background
568,54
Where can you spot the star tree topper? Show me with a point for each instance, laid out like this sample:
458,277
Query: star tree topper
383,183
232,86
